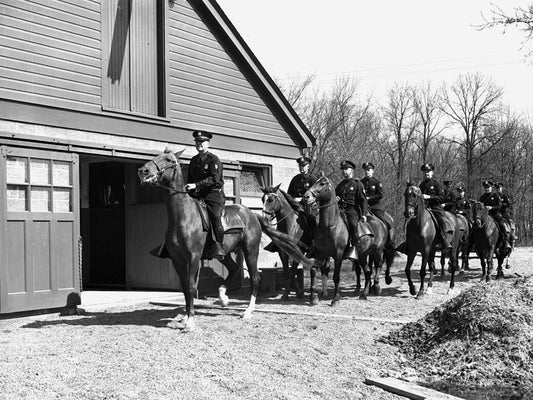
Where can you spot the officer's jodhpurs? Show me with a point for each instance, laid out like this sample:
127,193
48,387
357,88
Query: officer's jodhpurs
214,202
353,219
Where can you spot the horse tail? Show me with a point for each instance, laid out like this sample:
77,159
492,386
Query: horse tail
285,243
389,253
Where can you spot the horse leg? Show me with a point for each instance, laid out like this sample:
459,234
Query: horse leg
483,263
377,266
432,269
294,277
313,294
324,269
410,259
189,282
357,269
423,265
442,262
368,278
288,277
233,269
454,254
251,253
336,281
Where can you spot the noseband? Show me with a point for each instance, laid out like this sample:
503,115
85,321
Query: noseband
161,170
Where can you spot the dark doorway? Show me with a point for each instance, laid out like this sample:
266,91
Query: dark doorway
107,245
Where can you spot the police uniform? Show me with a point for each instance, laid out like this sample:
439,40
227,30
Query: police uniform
302,182
507,203
374,192
463,205
494,201
435,190
205,170
450,197
352,200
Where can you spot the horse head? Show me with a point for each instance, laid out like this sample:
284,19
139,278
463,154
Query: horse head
157,170
271,200
479,214
320,191
413,196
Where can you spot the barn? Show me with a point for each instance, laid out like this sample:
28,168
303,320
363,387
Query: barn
90,90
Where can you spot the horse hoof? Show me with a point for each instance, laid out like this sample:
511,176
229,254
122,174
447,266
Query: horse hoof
335,303
224,301
412,290
357,289
314,299
388,280
188,329
420,296
247,315
507,266
376,290
450,292
363,297
285,297
300,294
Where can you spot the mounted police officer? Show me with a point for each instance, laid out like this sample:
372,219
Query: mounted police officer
433,193
450,197
303,181
463,205
205,181
351,196
493,203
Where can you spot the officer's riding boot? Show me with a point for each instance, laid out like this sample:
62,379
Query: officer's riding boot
351,250
218,247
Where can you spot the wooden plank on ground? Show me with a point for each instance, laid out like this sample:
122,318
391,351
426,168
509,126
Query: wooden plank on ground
408,389
289,312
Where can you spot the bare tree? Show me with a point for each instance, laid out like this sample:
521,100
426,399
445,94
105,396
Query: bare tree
401,122
469,102
521,18
427,103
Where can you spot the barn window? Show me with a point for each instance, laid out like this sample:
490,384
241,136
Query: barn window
133,57
252,178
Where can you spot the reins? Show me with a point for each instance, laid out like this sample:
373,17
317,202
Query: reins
161,171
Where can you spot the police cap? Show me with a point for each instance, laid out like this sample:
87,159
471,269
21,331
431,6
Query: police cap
303,161
448,183
499,184
347,164
368,165
427,167
460,189
487,184
201,136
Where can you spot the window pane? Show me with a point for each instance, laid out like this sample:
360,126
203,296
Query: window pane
62,200
40,172
17,170
61,174
16,198
229,186
249,182
40,199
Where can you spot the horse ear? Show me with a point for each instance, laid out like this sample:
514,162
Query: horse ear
167,150
322,174
276,188
179,153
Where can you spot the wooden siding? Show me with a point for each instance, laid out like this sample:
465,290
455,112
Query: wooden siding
51,53
52,56
207,88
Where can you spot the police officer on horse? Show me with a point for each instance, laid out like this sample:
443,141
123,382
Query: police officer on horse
493,202
352,200
433,193
205,181
303,181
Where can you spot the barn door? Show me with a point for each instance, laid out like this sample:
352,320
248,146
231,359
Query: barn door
39,260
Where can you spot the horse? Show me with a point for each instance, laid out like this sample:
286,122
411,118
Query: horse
331,239
291,220
464,245
187,235
422,236
486,237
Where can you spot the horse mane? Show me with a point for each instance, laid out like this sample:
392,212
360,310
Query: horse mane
295,205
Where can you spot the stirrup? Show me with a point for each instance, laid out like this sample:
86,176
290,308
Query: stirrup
350,253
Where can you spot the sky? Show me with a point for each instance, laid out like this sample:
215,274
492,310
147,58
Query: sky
385,41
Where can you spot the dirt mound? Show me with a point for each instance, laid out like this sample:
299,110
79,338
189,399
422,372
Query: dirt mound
479,342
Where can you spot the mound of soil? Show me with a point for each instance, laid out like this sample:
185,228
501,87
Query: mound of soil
477,345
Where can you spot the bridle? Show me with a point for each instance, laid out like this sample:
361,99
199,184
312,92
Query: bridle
271,214
161,170
314,193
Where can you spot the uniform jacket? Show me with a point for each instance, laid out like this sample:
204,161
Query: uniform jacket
299,184
352,195
435,190
491,199
374,192
463,205
450,200
206,172
507,203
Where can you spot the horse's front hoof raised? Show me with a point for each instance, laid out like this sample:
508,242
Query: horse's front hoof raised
388,279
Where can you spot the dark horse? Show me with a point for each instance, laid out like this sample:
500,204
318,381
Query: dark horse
331,239
485,238
187,235
290,219
422,237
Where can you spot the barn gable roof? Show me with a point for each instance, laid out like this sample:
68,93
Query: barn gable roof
228,35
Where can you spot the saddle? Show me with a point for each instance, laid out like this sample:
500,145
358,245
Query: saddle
231,222
363,228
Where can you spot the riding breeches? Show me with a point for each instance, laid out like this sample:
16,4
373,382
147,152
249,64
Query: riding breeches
353,219
214,202
444,223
